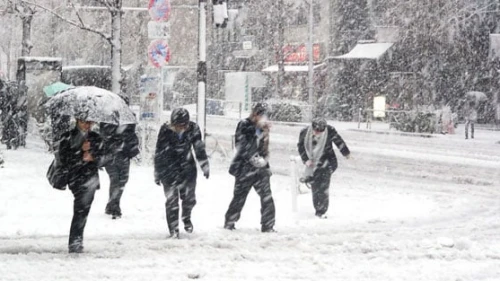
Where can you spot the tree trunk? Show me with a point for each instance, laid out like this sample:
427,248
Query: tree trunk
116,48
26,41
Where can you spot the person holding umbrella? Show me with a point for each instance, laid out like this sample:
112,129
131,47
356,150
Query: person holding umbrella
316,150
175,167
472,100
470,118
81,150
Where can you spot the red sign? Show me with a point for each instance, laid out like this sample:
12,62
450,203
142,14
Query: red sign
159,10
159,53
298,54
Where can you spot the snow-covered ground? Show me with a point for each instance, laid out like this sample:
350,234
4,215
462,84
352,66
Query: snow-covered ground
404,208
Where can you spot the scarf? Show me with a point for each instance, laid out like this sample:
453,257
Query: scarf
314,152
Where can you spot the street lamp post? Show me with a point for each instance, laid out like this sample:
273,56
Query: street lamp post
202,67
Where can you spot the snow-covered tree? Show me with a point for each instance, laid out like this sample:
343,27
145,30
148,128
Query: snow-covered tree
112,35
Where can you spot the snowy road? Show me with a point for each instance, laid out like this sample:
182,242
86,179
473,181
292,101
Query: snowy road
404,208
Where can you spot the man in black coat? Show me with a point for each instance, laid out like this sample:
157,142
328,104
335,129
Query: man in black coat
316,150
122,144
251,169
175,167
81,150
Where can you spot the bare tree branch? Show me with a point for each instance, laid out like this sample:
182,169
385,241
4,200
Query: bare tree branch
106,4
77,13
81,25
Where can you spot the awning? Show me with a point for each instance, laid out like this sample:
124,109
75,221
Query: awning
292,68
367,51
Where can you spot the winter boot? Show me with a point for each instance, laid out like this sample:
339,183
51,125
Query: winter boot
268,229
229,226
116,215
188,226
322,216
174,234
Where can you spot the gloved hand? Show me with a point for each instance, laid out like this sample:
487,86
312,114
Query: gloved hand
206,171
258,161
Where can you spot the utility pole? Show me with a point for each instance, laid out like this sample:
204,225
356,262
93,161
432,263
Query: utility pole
202,67
311,56
281,55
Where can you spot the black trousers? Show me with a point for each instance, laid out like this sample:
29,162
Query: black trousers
467,124
185,191
118,171
84,196
260,181
320,187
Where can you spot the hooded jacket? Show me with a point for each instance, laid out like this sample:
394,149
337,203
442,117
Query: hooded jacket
173,161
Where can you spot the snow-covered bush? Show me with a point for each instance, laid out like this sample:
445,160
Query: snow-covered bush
414,122
285,112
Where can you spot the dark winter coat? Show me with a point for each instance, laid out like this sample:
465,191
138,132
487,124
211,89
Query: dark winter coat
328,153
247,145
120,141
70,155
174,162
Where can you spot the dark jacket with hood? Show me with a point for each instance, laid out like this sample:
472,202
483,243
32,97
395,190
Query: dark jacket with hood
248,144
174,162
120,141
328,153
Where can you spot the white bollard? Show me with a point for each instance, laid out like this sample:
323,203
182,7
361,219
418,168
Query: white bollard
295,182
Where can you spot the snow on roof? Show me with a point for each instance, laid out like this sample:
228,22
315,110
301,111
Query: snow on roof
84,66
367,51
40,59
292,68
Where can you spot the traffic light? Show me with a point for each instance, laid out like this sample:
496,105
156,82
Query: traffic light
220,13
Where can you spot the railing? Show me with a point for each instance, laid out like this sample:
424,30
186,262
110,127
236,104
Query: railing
366,116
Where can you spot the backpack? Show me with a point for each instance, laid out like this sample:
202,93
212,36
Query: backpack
57,175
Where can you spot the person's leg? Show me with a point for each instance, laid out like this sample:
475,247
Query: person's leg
467,129
83,198
188,197
267,211
113,171
242,187
320,191
172,208
123,175
472,129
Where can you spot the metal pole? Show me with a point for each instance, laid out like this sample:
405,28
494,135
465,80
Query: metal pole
311,58
160,98
295,183
202,68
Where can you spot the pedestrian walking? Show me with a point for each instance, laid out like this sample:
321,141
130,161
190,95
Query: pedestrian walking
81,150
122,144
250,168
175,167
315,147
470,118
